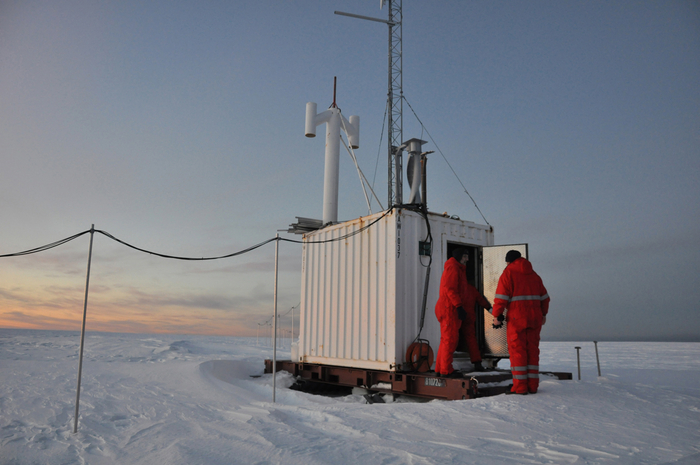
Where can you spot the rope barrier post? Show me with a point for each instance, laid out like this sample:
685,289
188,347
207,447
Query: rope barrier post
82,333
274,323
578,361
597,359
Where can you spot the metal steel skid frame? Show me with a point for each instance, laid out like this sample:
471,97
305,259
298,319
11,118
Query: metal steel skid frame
423,385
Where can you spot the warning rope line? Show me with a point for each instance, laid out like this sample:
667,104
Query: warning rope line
58,243
175,257
46,247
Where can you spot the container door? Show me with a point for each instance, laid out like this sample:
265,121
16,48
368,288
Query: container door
494,262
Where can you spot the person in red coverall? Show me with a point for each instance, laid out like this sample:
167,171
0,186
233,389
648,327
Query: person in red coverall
521,292
454,308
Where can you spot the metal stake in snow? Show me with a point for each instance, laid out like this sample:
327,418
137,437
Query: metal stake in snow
596,356
82,333
578,362
274,324
332,117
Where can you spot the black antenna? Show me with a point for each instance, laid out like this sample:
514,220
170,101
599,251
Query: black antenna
335,81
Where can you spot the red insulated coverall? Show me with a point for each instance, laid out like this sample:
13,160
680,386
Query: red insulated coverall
521,292
455,291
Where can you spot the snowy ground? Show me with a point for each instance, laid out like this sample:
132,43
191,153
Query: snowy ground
162,399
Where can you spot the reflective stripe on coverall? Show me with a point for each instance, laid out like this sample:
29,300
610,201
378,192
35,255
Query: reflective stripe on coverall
455,291
521,292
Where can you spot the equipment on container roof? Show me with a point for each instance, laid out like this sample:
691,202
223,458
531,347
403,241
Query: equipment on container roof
366,283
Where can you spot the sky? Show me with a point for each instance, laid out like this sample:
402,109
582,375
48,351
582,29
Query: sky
178,127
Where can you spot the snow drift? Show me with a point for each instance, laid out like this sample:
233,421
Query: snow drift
154,399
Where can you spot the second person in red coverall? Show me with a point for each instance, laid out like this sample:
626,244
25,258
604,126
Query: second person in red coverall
521,292
455,308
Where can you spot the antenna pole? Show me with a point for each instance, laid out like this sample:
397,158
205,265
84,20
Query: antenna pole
394,95
395,99
335,82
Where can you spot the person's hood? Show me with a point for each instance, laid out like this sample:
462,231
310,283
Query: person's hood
521,265
453,262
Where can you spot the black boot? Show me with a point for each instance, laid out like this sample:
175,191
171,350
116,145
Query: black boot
478,366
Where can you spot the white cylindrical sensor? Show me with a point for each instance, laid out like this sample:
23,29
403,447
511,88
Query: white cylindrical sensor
354,136
310,120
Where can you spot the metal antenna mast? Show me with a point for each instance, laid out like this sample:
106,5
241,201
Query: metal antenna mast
394,95
395,98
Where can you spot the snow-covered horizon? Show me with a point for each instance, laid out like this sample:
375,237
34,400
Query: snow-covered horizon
283,337
182,399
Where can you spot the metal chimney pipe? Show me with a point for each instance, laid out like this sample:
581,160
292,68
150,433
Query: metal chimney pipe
424,178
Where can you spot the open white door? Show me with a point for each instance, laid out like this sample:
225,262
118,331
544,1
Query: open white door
494,262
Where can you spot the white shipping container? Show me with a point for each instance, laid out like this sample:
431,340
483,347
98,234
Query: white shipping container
361,296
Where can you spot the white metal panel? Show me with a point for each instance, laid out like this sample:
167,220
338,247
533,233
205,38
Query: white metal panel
362,296
347,310
410,281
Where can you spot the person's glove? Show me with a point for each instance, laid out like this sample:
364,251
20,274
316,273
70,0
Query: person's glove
500,319
461,313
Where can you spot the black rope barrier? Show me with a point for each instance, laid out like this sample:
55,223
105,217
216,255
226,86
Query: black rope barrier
175,257
92,230
52,245
46,247
340,238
